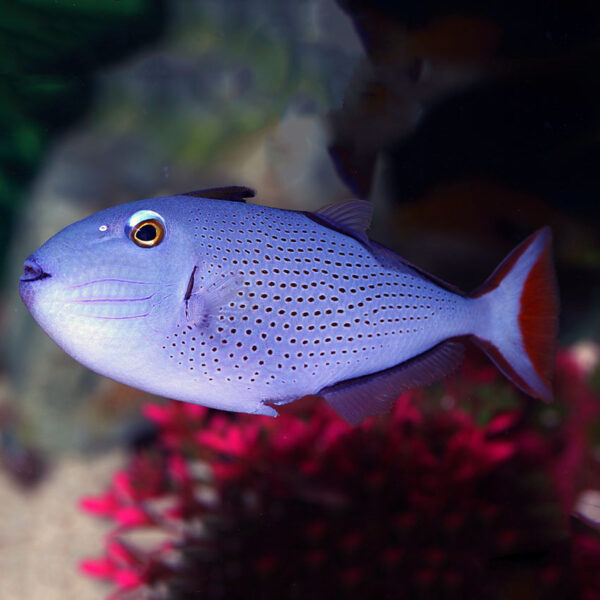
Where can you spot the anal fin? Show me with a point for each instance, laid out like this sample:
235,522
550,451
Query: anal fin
370,395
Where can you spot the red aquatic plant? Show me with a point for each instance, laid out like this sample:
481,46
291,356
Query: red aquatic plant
431,500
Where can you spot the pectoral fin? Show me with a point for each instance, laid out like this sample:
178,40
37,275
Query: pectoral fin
207,295
357,399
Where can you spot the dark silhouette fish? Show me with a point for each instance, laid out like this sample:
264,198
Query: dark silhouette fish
204,298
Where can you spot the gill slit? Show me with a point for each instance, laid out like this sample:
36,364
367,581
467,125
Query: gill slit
188,292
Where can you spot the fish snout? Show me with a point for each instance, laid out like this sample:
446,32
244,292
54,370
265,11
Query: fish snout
32,271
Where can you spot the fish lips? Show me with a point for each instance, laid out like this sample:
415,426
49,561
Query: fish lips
32,272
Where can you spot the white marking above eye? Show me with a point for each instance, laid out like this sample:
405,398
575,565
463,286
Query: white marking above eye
142,215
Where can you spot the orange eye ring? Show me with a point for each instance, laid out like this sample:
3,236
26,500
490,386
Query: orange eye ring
148,234
146,229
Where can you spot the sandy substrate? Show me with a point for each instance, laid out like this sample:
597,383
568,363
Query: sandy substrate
44,535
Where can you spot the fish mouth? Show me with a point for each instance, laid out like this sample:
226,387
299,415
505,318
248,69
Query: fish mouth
32,271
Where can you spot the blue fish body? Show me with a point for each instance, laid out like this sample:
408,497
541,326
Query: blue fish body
208,299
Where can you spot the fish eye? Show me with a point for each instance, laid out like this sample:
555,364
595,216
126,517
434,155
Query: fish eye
145,228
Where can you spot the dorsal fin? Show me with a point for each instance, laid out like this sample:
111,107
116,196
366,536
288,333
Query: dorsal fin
352,218
388,258
362,397
234,193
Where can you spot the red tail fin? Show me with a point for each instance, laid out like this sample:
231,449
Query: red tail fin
521,301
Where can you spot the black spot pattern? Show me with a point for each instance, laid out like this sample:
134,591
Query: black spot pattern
313,306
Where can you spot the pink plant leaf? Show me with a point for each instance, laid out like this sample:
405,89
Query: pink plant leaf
104,505
133,516
101,568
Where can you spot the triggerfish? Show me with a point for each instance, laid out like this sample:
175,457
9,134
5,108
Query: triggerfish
206,298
